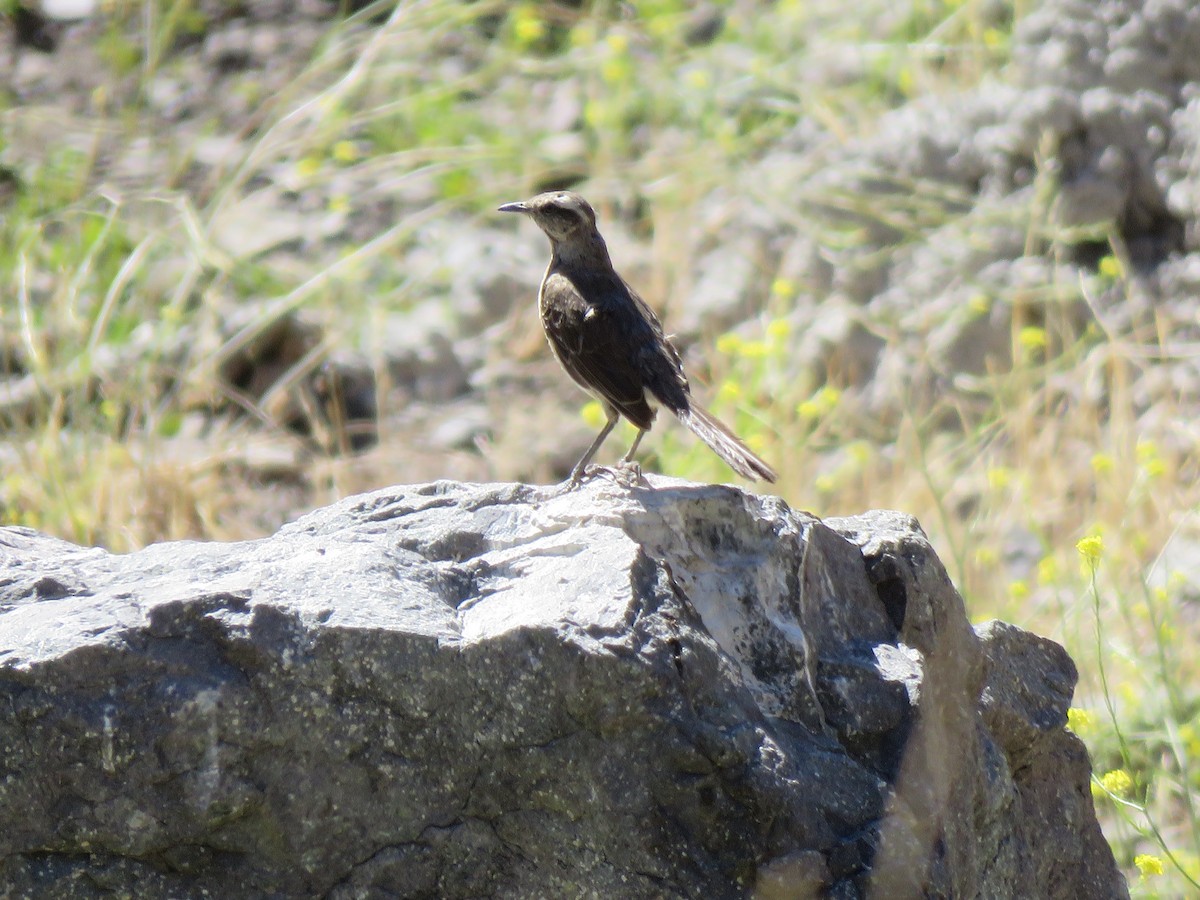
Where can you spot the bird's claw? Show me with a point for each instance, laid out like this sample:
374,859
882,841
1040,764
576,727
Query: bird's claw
579,476
628,474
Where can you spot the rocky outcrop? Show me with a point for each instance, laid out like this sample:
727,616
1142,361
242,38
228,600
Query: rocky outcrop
462,690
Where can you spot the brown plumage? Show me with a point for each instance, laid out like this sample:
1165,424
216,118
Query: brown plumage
610,341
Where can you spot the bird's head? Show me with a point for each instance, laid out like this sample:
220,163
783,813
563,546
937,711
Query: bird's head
563,215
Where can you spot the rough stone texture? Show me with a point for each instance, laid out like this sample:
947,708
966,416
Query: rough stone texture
460,690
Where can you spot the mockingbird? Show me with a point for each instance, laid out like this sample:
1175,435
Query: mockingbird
609,340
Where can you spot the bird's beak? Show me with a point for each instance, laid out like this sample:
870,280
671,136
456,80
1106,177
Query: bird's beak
519,207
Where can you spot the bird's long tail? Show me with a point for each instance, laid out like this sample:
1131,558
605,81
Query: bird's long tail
725,443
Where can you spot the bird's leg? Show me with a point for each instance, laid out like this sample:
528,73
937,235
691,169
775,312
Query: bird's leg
628,457
578,471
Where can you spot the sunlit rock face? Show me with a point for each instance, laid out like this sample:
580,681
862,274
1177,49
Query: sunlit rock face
636,689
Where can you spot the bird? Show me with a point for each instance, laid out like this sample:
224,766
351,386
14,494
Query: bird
609,340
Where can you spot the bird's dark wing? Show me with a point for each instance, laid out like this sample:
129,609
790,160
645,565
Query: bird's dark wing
603,345
662,369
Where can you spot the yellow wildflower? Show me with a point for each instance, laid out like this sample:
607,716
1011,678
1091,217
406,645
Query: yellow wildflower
1092,548
1148,865
1117,782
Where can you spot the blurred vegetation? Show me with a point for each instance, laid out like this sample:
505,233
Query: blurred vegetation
114,287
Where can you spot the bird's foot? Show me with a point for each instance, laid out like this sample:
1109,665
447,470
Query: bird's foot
580,475
628,474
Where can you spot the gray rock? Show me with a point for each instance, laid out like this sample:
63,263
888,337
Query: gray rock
725,279
460,690
1092,127
1029,684
273,360
68,10
460,426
